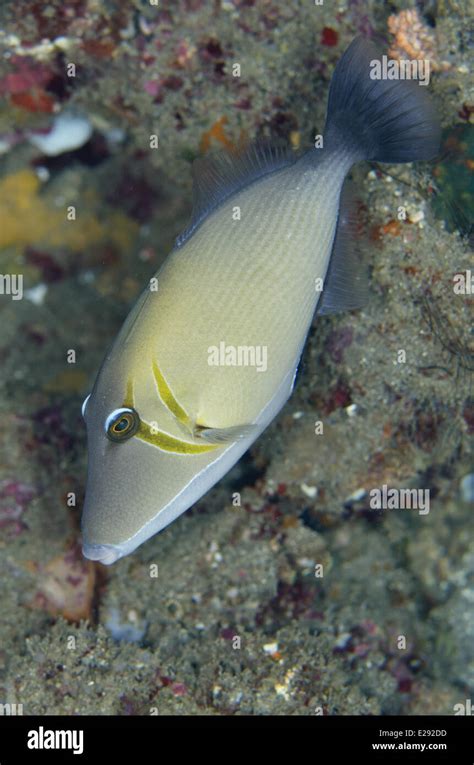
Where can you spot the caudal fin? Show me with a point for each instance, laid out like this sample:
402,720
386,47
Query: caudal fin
383,120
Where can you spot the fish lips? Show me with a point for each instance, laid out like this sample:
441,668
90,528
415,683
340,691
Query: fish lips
106,554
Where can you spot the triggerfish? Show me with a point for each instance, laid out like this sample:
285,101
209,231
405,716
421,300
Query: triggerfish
209,353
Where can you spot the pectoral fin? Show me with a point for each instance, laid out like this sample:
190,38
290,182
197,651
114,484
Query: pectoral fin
224,435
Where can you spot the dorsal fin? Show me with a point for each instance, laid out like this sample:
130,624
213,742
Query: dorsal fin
345,285
220,175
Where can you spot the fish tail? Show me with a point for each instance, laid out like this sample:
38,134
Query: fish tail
378,119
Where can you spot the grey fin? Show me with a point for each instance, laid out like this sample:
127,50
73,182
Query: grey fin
218,176
345,285
381,119
225,435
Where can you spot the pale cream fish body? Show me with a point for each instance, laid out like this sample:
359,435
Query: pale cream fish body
166,421
229,283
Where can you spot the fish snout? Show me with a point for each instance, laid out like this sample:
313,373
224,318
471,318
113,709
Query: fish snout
106,554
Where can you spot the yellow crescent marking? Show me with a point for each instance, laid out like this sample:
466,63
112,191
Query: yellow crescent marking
169,443
159,438
167,397
129,398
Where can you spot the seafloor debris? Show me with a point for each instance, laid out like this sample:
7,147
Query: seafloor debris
14,500
467,488
25,85
66,586
216,135
68,132
20,200
413,39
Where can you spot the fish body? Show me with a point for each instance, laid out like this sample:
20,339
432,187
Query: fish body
206,360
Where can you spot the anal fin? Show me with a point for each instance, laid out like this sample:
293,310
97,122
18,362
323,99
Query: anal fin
345,285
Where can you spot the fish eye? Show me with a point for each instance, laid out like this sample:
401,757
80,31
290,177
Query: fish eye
84,405
122,424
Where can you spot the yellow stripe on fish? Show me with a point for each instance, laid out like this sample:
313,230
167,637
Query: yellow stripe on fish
129,398
151,435
168,398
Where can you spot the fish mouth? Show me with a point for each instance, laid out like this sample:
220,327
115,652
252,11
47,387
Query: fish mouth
106,554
